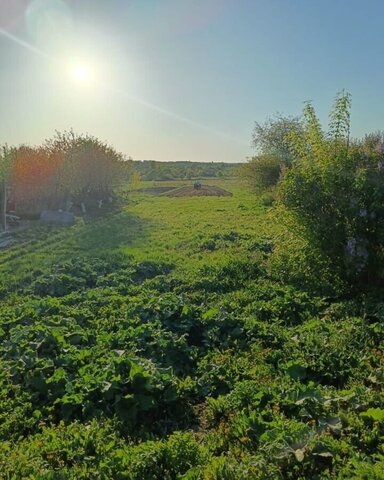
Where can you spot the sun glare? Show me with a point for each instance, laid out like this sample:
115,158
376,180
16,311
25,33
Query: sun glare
81,73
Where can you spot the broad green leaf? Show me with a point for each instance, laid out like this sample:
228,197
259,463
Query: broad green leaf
375,414
297,371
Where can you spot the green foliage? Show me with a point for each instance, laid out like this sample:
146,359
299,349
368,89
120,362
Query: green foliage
67,168
297,260
158,344
272,142
94,450
335,193
268,199
271,138
339,125
160,171
262,172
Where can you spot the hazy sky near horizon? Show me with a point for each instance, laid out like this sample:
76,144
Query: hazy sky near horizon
184,79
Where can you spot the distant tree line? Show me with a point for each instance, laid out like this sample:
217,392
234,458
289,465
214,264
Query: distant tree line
154,170
66,170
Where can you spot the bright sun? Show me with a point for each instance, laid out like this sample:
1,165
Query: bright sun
81,73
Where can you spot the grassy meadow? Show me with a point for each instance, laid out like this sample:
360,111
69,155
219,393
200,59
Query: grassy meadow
157,343
149,227
174,228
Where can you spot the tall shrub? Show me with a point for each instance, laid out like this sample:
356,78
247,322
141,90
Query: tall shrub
86,163
335,190
262,172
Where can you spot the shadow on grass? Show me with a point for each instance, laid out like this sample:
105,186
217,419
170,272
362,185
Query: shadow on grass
47,247
110,234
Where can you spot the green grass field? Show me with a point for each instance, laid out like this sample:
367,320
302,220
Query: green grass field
157,343
172,225
149,227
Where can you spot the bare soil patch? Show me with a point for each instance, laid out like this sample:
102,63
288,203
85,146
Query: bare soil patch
203,191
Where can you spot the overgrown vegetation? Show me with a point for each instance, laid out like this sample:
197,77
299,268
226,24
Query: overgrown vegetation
271,140
209,338
330,195
67,170
164,342
334,189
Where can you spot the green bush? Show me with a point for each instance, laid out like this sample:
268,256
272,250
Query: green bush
262,172
335,190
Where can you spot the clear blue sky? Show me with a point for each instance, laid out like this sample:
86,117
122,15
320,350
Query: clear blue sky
184,79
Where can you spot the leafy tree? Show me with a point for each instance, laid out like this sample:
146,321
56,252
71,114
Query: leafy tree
272,137
87,165
68,166
271,141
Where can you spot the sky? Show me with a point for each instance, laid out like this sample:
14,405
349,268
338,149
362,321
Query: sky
184,79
